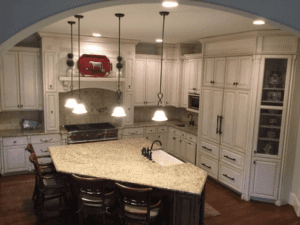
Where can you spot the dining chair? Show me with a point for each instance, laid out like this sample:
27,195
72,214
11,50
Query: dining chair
96,196
137,205
51,191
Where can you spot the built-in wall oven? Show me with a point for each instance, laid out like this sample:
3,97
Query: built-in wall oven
92,132
193,102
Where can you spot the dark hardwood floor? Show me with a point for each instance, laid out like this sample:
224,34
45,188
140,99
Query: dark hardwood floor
16,206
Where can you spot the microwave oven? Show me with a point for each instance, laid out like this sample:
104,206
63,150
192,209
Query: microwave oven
193,102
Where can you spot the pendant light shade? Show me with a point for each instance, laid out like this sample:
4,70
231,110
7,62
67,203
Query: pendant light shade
119,111
160,114
71,102
79,108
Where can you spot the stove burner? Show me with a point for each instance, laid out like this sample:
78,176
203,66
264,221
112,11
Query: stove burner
91,132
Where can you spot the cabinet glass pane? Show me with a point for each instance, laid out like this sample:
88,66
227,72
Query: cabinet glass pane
269,131
274,82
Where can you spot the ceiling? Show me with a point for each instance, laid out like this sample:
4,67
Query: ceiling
184,24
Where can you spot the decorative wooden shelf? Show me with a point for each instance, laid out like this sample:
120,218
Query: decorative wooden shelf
93,79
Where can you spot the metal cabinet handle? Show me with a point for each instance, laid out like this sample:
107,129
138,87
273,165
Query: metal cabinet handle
50,85
128,108
44,150
194,89
129,86
174,138
46,140
254,162
15,142
133,133
189,143
217,130
209,167
226,156
209,149
18,106
220,131
236,83
180,140
225,175
158,136
52,112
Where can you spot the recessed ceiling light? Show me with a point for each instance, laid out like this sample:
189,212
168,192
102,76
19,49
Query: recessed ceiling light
170,4
158,40
258,22
96,35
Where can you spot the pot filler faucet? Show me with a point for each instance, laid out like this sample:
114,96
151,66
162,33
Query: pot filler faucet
154,142
192,121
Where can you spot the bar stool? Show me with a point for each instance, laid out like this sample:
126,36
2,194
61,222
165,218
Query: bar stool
137,206
96,196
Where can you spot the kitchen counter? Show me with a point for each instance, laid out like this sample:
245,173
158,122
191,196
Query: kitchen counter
190,128
122,161
19,132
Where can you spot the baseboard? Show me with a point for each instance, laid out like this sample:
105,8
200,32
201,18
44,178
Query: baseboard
294,201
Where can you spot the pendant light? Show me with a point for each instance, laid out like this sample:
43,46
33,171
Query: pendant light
71,102
119,110
160,114
79,108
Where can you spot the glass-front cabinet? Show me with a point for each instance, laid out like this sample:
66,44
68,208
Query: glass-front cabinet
271,106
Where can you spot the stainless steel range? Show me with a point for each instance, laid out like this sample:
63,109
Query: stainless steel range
92,132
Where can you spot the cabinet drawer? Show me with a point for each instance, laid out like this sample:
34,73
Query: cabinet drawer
231,177
161,129
150,130
182,134
209,165
233,159
42,149
210,149
174,131
133,131
45,138
191,138
15,141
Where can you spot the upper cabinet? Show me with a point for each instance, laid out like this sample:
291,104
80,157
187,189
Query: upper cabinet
50,71
21,80
146,81
214,71
170,83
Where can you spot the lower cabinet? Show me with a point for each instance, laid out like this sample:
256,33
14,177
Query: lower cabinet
132,133
264,178
16,159
208,164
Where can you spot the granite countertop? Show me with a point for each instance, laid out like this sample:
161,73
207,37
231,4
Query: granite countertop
19,132
190,128
122,161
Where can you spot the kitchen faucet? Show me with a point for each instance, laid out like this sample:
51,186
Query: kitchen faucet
192,121
154,142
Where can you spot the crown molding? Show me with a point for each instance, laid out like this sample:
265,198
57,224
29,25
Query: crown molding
88,38
24,49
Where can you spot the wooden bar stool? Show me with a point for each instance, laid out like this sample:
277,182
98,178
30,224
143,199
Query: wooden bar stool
137,206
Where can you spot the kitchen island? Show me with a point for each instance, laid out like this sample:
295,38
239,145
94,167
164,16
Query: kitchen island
182,185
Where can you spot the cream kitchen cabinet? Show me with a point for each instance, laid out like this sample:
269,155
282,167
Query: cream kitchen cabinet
214,72
133,133
146,82
51,112
50,71
185,84
129,108
21,87
238,72
150,133
170,83
15,157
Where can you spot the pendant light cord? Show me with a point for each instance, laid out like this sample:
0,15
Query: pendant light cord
119,64
79,17
160,94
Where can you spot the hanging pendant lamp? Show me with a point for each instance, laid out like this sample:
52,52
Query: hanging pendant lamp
119,110
79,108
71,102
160,114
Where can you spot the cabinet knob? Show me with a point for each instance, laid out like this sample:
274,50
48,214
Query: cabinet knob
18,106
128,108
21,106
15,142
51,86
158,136
194,89
129,86
254,162
51,111
236,83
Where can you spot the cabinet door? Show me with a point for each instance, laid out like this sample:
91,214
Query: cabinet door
139,81
28,62
183,149
16,159
129,109
151,82
177,146
231,71
129,66
219,72
212,108
162,137
187,207
191,152
185,84
171,144
264,178
10,87
50,71
150,137
167,82
52,122
208,76
174,84
199,75
193,75
244,72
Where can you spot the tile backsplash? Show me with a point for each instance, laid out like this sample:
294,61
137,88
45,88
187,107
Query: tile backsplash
142,114
12,119
99,104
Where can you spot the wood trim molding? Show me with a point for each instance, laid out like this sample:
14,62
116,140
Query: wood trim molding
85,38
